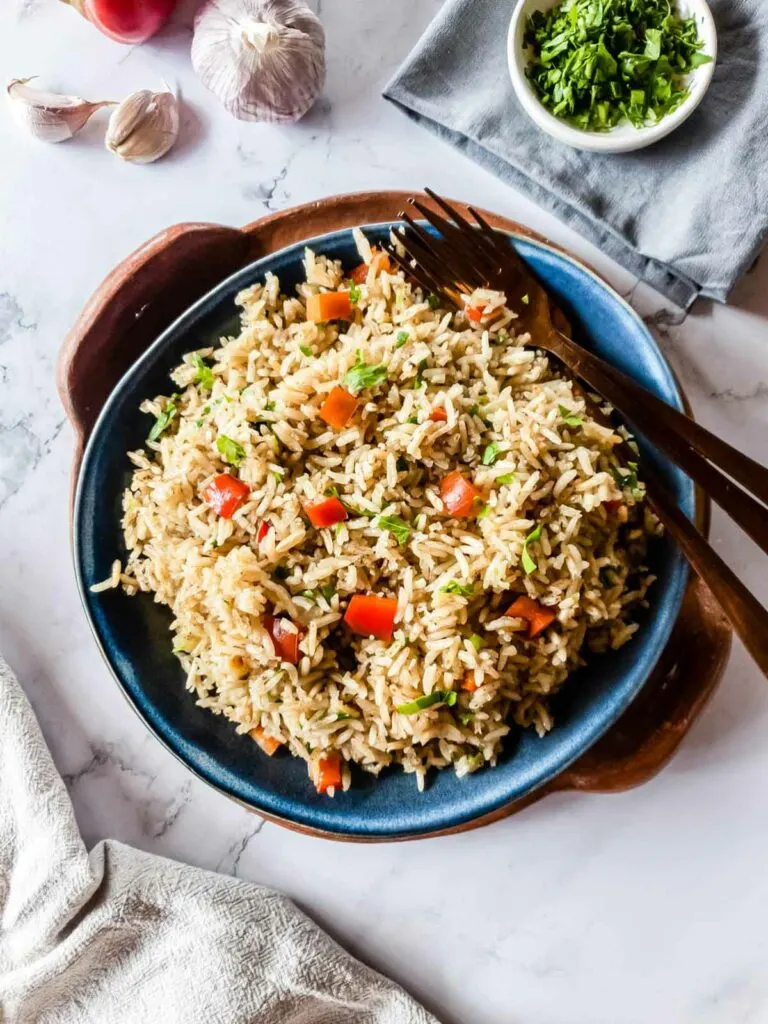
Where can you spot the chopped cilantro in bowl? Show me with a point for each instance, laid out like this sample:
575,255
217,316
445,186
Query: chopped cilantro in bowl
611,75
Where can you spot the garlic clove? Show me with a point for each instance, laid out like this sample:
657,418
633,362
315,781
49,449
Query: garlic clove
49,116
264,59
144,126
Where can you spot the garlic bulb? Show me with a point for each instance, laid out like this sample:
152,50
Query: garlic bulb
49,116
264,59
144,127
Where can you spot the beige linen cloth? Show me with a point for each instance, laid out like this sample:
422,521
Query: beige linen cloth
116,936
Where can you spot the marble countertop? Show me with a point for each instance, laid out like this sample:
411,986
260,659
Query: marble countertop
623,909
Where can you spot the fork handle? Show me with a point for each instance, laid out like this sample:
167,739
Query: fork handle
665,428
745,613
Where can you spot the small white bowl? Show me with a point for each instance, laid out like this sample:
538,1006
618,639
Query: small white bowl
624,137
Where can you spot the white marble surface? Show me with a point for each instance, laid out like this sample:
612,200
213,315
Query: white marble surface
644,907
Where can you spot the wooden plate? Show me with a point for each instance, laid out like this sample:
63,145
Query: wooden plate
155,284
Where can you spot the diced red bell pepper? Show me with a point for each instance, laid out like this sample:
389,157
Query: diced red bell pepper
370,615
459,495
263,530
326,512
538,616
329,773
469,683
267,743
284,639
225,494
475,313
338,408
360,273
438,415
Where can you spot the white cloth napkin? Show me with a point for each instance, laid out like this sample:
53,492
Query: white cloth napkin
116,936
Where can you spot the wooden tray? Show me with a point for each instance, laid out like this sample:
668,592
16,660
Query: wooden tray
155,284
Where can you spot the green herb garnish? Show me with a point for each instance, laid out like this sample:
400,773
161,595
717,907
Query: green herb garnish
626,479
506,478
231,451
570,419
413,419
529,565
491,453
466,717
306,351
204,375
363,376
462,589
484,512
164,420
354,294
525,300
402,337
399,529
448,697
341,716
418,380
269,406
597,63
477,642
433,301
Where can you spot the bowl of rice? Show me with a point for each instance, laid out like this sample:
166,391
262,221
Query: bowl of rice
369,564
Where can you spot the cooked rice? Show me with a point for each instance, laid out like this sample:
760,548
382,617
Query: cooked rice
219,583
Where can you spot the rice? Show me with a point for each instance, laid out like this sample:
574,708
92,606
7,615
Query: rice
526,436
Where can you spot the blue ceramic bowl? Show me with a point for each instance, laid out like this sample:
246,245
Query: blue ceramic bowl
133,632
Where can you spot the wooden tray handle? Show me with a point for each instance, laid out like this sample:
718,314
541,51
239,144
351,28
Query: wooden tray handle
133,305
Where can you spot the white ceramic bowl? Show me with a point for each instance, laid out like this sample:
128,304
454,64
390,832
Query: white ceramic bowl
624,137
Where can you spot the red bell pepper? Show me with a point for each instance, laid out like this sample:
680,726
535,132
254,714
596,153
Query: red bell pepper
285,640
459,495
326,512
370,615
225,494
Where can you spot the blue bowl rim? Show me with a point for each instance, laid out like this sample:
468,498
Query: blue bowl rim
303,821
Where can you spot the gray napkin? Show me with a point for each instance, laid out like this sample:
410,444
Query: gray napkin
116,936
687,215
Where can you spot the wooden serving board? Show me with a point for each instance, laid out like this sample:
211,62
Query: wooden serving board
155,284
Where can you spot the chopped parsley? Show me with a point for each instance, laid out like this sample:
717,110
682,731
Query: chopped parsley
491,453
448,697
596,64
399,529
306,351
269,406
525,300
484,512
342,716
418,380
413,419
506,478
354,294
466,717
402,337
433,301
477,642
230,450
529,565
461,589
164,420
570,419
362,375
626,479
204,375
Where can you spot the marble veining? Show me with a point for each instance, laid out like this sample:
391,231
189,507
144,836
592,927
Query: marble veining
645,906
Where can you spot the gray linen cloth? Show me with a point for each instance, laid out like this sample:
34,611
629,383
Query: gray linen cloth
116,936
687,215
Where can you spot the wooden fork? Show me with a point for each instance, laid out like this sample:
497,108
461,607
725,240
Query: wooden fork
463,256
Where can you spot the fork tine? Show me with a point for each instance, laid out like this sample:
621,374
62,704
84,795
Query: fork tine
431,245
487,252
507,251
462,241
440,281
416,273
